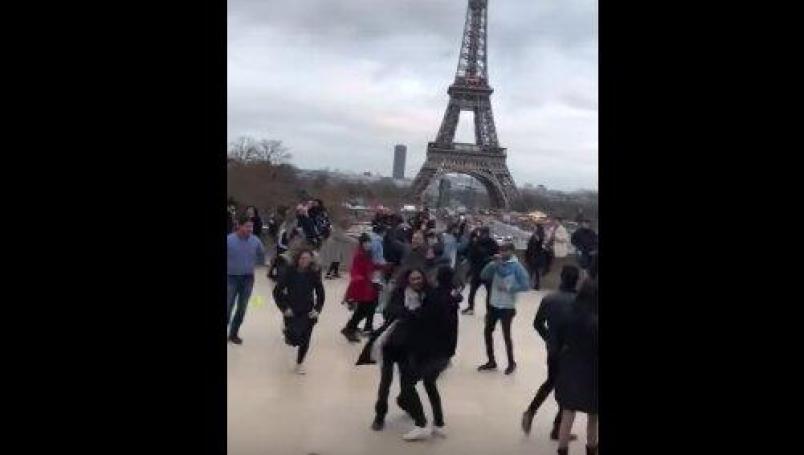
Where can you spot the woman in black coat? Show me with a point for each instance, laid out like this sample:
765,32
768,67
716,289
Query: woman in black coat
429,346
576,383
394,336
299,294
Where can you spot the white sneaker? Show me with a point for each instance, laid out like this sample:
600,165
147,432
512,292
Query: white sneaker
440,431
300,369
418,434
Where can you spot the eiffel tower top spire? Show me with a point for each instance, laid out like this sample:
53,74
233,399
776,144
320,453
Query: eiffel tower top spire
472,64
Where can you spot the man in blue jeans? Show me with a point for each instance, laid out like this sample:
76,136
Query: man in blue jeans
243,252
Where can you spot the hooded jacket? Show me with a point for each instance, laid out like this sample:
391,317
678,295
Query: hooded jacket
507,279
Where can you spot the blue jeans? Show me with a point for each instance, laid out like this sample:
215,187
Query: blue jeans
238,288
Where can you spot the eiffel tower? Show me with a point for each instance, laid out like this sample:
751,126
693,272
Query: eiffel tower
485,159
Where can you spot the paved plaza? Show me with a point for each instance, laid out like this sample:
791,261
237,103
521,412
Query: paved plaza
329,411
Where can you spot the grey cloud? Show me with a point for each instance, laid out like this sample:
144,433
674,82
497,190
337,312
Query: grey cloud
350,78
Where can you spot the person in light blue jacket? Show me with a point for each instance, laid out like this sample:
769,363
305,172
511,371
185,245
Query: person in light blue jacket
507,278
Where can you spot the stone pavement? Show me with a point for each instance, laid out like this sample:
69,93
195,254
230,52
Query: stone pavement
328,411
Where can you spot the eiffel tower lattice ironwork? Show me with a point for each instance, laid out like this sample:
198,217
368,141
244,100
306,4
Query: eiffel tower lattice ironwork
485,159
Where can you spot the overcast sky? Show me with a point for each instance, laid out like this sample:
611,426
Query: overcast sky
341,81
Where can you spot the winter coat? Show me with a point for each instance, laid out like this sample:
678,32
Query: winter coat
560,242
336,247
436,324
481,252
395,333
535,254
507,279
576,382
361,289
585,240
301,291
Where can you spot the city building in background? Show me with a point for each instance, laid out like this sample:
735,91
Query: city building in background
400,152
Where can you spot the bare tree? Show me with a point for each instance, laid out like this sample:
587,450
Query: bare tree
248,150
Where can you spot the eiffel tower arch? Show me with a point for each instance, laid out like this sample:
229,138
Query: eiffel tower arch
484,160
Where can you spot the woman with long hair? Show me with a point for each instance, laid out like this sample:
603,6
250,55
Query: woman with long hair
389,345
432,341
299,294
361,290
576,384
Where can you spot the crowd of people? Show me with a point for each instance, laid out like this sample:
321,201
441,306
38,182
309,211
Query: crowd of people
414,274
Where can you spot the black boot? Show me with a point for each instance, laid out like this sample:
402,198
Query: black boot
591,450
564,451
527,421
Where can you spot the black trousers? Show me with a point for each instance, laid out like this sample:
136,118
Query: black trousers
304,340
474,284
545,389
409,397
363,310
389,359
506,315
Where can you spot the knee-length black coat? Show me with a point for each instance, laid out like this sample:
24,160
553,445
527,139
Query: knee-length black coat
576,384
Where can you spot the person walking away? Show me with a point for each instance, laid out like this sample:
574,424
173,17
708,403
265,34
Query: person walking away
433,329
576,382
481,251
244,252
449,239
535,255
553,313
300,297
507,278
585,242
361,290
254,216
334,251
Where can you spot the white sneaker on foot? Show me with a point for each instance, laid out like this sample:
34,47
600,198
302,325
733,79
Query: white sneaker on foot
418,433
300,369
440,431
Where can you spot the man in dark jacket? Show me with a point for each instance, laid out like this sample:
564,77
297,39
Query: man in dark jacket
553,313
535,256
481,251
585,241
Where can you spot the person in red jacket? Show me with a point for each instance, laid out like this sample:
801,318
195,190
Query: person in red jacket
361,290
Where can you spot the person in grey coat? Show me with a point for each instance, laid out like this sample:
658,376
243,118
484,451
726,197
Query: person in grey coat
336,250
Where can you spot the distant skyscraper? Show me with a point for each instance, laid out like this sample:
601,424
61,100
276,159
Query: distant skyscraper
400,151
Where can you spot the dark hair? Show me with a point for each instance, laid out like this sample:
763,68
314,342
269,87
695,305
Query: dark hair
406,277
243,219
364,238
445,276
256,212
569,277
320,203
507,246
